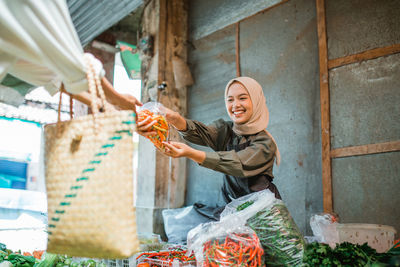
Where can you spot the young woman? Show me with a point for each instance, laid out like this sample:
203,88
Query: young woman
243,149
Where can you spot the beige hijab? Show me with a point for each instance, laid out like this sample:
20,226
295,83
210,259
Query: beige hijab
260,117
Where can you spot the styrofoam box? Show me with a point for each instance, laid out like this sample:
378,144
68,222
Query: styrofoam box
379,237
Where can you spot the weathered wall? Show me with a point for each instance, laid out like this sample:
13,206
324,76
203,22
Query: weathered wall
358,25
279,49
365,109
212,61
210,16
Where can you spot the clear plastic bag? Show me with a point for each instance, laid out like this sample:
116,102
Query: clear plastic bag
154,111
279,235
225,243
178,222
324,227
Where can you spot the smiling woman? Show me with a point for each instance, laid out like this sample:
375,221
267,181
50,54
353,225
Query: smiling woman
243,149
238,103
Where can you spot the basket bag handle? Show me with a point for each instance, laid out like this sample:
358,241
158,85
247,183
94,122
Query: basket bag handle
96,93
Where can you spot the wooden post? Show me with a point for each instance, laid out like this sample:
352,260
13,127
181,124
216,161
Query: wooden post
171,173
162,40
325,109
237,50
161,179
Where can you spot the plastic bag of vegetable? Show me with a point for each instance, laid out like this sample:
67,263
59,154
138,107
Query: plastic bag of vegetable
151,114
280,237
225,243
324,228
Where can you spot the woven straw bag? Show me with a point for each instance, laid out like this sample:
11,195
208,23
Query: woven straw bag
89,182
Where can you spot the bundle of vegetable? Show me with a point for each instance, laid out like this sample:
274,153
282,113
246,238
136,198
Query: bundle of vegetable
8,257
166,258
40,258
225,243
20,260
348,254
66,261
279,235
235,250
37,254
160,127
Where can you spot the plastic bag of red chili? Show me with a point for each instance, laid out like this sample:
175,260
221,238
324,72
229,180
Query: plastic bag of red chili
224,244
151,114
269,217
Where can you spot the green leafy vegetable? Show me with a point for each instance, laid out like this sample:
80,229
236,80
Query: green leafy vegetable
349,255
19,260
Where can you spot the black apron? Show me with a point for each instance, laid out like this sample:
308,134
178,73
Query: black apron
235,187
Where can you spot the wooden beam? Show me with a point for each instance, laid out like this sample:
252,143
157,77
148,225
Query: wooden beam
170,181
238,74
366,55
325,113
365,149
162,41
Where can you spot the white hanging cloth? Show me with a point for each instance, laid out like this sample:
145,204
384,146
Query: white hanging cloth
39,44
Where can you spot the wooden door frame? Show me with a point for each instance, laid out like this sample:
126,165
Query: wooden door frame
324,66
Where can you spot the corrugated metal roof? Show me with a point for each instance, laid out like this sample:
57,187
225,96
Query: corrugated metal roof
90,18
93,17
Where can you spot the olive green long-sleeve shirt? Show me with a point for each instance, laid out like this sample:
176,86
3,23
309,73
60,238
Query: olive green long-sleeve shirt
256,158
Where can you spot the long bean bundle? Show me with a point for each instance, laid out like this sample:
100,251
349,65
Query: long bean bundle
279,235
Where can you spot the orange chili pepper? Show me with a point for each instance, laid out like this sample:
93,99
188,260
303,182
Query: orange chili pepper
38,254
160,127
238,250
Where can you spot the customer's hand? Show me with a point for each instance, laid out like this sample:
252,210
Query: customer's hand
176,149
144,126
130,102
120,101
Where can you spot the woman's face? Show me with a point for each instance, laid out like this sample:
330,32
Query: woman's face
238,103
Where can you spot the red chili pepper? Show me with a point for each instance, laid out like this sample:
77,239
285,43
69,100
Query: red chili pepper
237,250
160,127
